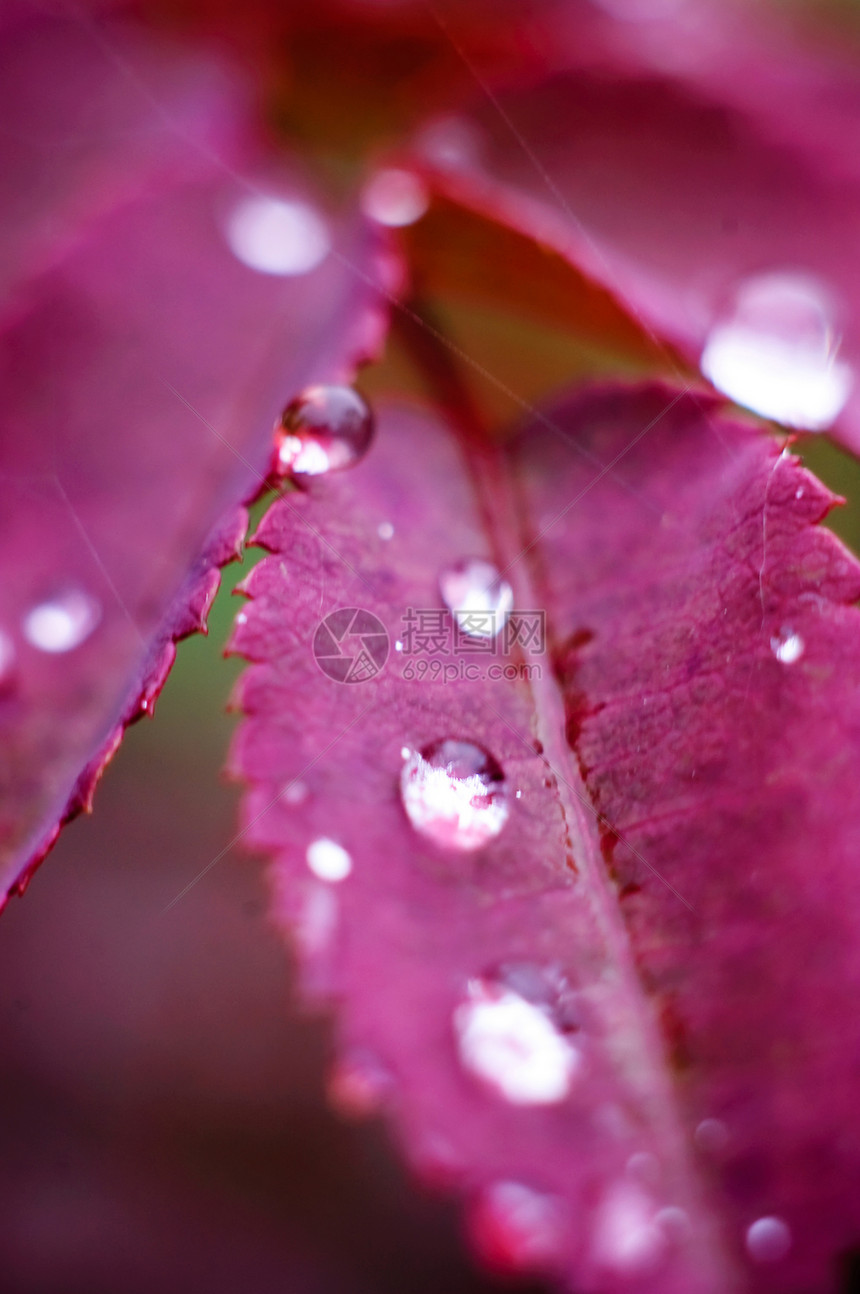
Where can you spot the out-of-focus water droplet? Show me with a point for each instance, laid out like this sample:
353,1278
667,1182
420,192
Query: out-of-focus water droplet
328,860
62,623
674,1223
711,1136
777,352
277,235
359,1084
7,659
316,922
395,197
628,1238
385,530
450,142
295,792
515,1228
787,647
455,793
768,1240
513,1046
477,596
325,429
644,1167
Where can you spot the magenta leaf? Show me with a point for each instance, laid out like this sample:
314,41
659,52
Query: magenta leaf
611,997
148,348
716,196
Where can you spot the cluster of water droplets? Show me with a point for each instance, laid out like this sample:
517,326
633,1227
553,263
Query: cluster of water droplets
776,350
516,1029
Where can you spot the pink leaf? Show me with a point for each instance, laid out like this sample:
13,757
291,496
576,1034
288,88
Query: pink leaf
623,1026
154,334
703,166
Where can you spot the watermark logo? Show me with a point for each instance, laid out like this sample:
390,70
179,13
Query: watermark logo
351,645
433,632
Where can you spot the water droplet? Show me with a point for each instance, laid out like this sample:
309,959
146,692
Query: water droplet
398,645
385,530
242,618
277,236
63,623
513,1046
644,1167
711,1136
455,794
395,197
787,647
768,1240
628,1237
295,793
477,596
450,142
799,492
324,429
328,860
358,1085
777,352
515,1228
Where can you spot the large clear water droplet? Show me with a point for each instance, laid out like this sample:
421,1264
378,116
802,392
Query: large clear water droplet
455,793
394,197
777,352
477,596
325,429
276,235
515,1228
62,623
513,1046
768,1240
